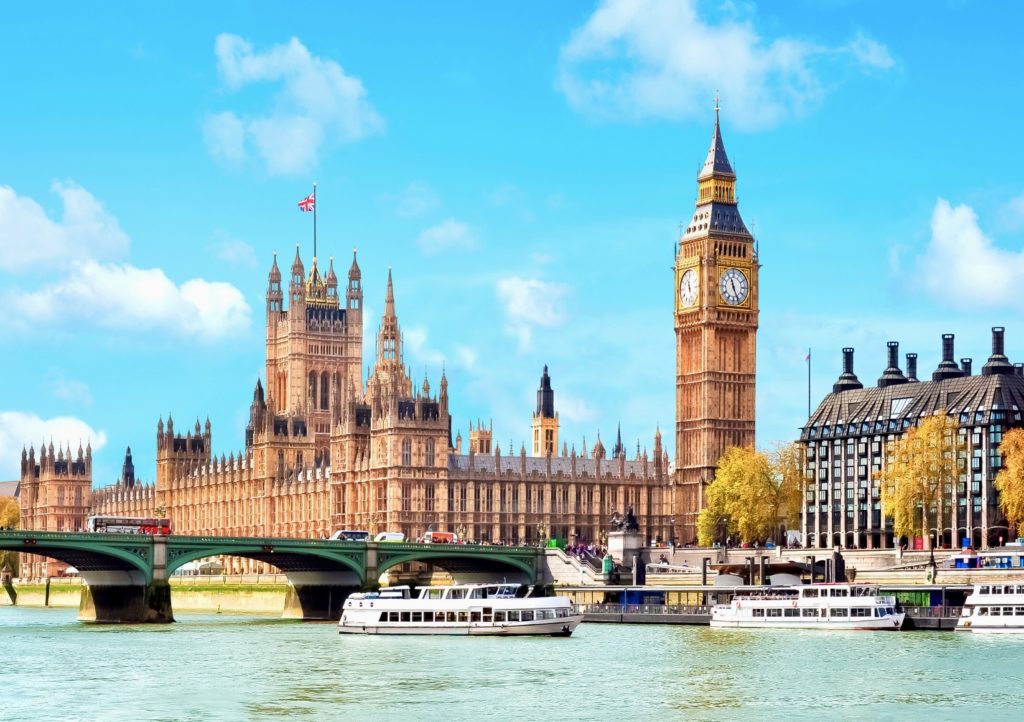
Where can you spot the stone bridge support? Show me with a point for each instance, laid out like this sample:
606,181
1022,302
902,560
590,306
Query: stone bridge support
317,596
120,597
128,597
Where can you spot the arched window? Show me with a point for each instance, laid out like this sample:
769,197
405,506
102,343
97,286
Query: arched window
430,452
406,452
312,389
325,388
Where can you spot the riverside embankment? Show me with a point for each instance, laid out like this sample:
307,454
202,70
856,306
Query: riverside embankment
242,594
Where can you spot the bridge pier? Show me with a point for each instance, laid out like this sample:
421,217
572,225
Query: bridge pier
118,597
318,596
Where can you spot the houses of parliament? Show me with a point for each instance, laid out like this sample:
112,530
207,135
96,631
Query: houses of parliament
326,449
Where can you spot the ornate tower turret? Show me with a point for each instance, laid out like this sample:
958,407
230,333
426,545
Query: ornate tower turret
545,419
716,310
275,299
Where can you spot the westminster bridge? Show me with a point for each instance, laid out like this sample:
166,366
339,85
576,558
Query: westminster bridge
125,576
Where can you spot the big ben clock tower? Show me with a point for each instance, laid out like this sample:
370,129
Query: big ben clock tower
716,329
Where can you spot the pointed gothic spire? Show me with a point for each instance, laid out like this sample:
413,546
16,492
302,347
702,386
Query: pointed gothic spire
389,299
275,272
353,270
717,163
297,268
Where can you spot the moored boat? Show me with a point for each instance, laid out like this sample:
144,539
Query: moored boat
993,609
458,609
810,606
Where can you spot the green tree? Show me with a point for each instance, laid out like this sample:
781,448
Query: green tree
752,495
1010,480
10,518
921,471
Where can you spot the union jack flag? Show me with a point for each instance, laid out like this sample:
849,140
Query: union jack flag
308,203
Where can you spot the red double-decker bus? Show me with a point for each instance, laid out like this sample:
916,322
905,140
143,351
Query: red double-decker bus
128,525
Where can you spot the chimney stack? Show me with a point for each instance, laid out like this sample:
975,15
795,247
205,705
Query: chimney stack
892,374
947,369
848,380
965,366
1018,369
997,363
912,367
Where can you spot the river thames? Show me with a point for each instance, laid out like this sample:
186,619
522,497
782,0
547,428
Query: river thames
219,667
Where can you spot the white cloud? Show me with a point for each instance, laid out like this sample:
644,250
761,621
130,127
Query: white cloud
19,429
415,338
963,268
870,53
637,59
1011,215
316,101
70,390
232,250
530,302
574,410
29,237
123,296
466,357
448,235
416,199
224,134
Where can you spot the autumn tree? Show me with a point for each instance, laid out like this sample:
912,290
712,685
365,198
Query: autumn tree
1010,480
753,493
921,472
10,518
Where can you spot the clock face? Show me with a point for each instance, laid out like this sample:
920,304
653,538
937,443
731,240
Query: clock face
734,286
688,285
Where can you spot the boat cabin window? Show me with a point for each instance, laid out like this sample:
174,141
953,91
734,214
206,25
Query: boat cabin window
456,594
499,616
983,590
840,612
809,592
757,612
513,616
838,592
810,612
982,611
526,615
774,612
791,612
417,617
405,616
474,616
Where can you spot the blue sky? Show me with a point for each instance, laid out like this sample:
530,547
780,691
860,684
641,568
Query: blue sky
522,168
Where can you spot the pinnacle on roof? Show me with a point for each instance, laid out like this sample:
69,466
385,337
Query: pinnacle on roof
275,272
717,162
389,300
353,270
331,277
297,268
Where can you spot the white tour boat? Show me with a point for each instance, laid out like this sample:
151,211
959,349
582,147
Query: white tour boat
993,609
467,609
810,606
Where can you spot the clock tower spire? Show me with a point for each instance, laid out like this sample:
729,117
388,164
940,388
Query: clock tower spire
716,310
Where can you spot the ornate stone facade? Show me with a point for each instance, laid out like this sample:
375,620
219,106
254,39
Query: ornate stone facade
340,454
53,495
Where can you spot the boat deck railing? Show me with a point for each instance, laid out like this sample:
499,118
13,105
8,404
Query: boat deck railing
617,609
932,612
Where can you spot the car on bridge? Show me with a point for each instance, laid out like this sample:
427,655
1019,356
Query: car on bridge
350,535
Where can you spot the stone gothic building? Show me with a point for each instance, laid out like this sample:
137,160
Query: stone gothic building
53,495
325,450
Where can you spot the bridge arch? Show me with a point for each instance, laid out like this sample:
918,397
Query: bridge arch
87,553
455,557
285,557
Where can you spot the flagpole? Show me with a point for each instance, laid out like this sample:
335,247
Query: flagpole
808,383
314,219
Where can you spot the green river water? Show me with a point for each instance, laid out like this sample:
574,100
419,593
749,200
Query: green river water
218,667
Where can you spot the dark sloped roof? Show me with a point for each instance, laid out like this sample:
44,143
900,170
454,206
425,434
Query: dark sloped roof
714,218
717,162
973,399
